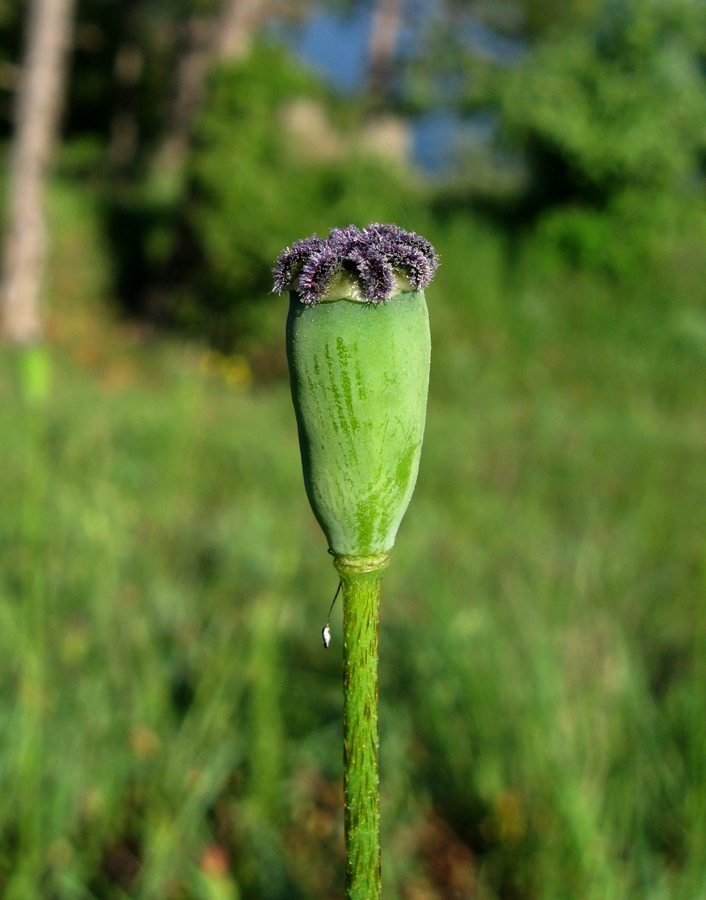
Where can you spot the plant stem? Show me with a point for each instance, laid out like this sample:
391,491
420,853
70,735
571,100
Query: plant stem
360,579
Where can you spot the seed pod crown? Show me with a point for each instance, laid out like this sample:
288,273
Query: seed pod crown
371,256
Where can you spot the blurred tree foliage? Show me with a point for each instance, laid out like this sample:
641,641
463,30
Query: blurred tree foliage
611,115
604,103
600,106
616,105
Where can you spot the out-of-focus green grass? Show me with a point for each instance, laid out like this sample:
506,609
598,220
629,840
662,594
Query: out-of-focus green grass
169,723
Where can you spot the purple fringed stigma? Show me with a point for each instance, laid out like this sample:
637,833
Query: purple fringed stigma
373,256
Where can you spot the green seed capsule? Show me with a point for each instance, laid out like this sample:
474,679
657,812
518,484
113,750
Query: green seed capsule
360,374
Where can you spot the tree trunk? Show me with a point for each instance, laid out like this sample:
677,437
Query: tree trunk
191,72
226,37
384,38
238,24
39,104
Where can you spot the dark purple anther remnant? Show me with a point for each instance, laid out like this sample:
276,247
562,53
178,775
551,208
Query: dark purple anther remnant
373,255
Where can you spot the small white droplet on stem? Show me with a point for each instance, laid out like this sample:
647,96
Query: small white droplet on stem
326,632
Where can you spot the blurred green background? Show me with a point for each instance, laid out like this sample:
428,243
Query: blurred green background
170,726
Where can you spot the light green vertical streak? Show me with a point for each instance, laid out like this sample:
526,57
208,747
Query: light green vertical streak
28,775
360,580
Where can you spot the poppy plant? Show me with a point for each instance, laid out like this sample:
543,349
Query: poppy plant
358,347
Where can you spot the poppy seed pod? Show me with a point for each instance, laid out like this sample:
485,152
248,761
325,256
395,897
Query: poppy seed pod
359,348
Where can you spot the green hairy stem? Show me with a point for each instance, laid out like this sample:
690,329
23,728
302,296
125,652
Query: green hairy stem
360,580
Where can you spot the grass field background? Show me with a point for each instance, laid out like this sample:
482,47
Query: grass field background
169,722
